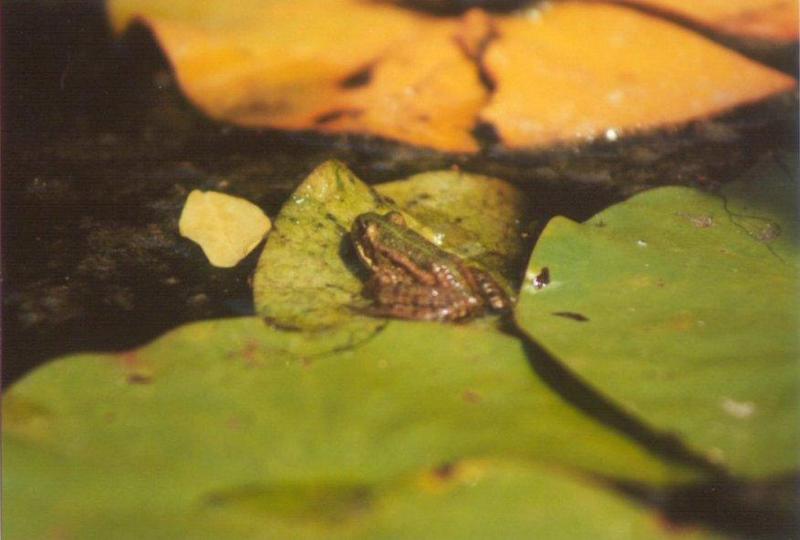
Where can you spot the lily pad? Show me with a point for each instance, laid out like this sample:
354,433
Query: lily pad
644,73
303,280
397,73
682,306
308,277
216,430
410,77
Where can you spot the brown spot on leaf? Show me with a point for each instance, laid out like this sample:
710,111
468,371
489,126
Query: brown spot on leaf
332,116
129,359
136,372
59,533
362,77
471,396
444,471
249,354
139,378
571,315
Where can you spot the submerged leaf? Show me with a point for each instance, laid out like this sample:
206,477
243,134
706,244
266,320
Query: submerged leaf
682,307
229,435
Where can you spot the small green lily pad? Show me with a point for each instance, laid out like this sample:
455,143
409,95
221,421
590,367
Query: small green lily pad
217,429
682,307
308,277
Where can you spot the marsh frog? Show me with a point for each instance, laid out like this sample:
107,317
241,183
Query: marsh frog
411,278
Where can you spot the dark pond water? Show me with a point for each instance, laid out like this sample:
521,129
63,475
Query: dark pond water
100,150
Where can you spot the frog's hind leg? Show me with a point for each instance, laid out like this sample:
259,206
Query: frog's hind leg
494,294
424,304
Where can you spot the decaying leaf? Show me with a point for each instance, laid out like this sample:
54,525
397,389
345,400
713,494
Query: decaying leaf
558,83
227,228
424,92
762,19
381,69
330,66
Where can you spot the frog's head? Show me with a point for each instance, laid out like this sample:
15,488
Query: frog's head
370,231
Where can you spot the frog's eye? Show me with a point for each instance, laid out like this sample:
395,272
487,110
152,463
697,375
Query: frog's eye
396,218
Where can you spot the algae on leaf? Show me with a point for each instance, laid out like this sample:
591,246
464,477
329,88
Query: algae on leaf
682,307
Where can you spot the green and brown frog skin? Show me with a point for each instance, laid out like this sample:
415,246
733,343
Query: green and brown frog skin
411,278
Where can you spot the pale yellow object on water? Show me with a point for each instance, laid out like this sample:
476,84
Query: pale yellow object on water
227,228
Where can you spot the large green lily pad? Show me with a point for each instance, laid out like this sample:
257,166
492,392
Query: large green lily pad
217,427
308,277
682,307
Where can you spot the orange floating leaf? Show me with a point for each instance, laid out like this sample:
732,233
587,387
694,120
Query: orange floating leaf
581,70
566,73
331,66
425,92
774,20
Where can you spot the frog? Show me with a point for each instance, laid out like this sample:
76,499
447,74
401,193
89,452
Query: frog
412,278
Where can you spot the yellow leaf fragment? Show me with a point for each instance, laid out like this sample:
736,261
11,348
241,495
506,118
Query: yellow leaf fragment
227,228
775,20
557,82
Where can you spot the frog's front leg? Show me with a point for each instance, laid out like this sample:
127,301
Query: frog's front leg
386,276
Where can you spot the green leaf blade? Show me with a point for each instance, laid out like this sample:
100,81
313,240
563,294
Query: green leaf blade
690,319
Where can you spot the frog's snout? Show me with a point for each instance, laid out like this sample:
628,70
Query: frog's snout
361,224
